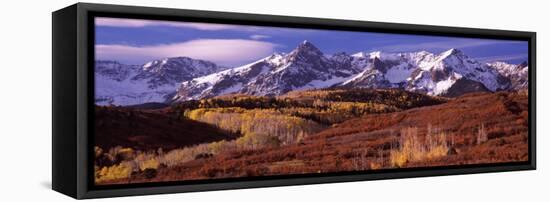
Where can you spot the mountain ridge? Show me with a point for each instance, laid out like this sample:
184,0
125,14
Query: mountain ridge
155,81
449,73
306,67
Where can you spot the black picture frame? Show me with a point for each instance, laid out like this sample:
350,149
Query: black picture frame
72,83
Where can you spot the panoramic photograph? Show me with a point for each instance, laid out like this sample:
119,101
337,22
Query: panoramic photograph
187,101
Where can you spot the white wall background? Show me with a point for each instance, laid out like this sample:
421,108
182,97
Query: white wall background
25,102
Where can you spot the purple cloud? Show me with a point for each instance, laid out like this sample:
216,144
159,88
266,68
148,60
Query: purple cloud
230,52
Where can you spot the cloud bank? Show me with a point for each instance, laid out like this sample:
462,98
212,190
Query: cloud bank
259,36
123,22
229,52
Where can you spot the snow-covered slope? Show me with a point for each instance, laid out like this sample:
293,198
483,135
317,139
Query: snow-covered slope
155,81
382,70
518,74
303,68
175,70
437,76
426,72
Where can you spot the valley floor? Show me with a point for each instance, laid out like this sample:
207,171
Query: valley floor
326,132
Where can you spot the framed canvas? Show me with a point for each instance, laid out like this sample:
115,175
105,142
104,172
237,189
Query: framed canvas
156,100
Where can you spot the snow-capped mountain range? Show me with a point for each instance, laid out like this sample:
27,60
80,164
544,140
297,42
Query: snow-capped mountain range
450,73
155,81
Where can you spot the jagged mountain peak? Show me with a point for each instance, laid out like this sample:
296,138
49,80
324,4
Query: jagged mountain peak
452,52
359,55
175,62
341,57
375,54
306,48
423,52
306,43
175,70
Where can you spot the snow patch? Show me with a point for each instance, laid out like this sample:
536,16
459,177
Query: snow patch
232,89
399,73
442,86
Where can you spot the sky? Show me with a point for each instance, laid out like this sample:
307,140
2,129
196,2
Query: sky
136,41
